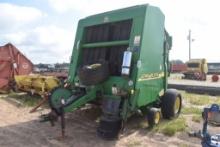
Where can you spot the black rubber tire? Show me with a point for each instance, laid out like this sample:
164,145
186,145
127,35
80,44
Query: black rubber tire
168,103
109,129
93,76
151,117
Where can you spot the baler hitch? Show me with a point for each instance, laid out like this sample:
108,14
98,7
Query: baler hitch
52,117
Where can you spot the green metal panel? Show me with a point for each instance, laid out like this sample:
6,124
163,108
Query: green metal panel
120,82
150,78
91,95
75,54
149,59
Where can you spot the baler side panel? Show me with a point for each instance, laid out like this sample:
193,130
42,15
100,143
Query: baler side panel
151,73
138,23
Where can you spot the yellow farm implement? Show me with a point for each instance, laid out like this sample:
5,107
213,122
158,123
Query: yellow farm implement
36,84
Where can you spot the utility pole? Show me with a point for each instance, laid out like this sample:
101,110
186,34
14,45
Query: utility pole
189,38
190,41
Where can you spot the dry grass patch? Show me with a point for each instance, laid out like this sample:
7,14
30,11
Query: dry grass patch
171,127
216,99
25,99
196,99
191,110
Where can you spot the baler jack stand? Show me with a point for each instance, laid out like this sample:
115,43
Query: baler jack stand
62,116
62,119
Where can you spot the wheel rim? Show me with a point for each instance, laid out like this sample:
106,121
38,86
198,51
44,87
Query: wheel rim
56,95
157,117
177,105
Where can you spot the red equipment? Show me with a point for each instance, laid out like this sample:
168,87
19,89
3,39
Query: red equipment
178,68
215,78
12,62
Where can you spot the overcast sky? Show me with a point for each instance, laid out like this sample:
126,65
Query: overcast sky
44,30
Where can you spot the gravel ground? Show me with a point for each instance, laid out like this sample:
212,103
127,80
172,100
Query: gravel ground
19,128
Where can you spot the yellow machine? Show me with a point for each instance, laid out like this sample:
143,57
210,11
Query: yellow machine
197,69
36,84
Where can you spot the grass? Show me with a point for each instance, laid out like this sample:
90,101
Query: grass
196,99
191,110
171,127
199,100
216,100
197,118
25,99
3,96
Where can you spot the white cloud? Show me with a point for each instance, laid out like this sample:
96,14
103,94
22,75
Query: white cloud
13,16
44,40
22,26
199,16
17,37
89,7
44,43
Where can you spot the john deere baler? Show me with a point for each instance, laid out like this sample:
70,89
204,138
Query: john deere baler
121,59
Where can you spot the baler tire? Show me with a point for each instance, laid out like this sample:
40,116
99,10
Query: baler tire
93,76
153,117
109,129
168,102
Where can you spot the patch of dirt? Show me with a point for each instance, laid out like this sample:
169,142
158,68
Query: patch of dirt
19,128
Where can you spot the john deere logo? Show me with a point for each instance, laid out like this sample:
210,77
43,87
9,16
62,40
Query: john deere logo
151,76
